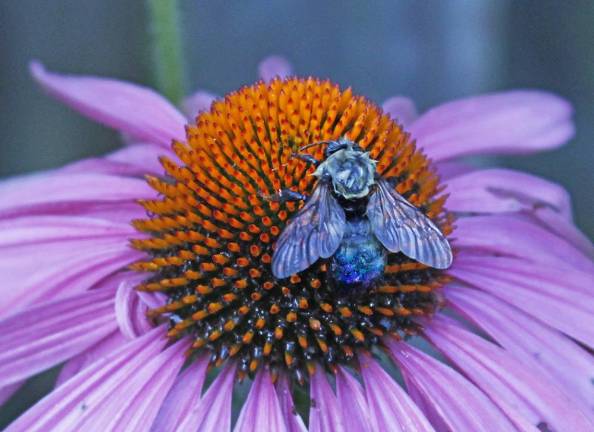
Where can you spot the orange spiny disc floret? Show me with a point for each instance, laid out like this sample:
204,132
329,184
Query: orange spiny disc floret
213,231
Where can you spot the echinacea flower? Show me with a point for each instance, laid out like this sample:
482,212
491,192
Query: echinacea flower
146,268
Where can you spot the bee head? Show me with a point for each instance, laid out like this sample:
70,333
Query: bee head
351,171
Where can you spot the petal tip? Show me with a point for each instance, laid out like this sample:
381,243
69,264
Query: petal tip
37,70
274,66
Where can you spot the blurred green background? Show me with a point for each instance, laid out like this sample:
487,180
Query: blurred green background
432,51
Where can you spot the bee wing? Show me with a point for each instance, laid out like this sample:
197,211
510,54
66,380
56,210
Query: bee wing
401,227
316,231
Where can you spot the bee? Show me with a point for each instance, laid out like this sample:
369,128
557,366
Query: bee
353,218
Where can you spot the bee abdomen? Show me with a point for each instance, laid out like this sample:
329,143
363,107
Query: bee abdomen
359,261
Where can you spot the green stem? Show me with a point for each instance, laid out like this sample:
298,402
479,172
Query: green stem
166,42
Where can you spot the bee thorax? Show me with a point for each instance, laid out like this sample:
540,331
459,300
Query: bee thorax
351,171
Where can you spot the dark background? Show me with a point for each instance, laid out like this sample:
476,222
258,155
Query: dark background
432,51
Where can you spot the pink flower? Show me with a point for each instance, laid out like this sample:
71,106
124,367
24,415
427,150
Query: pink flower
506,350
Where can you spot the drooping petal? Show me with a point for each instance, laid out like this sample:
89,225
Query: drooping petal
390,408
448,169
136,405
274,66
39,230
551,281
53,256
184,394
324,414
72,399
59,269
547,297
198,102
135,160
514,122
6,392
113,211
504,190
352,403
112,342
537,345
213,412
564,229
517,237
293,419
450,402
130,310
509,384
401,109
57,187
261,410
81,193
106,166
152,300
45,335
129,108
107,381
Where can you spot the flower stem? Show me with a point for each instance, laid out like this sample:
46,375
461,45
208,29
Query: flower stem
166,42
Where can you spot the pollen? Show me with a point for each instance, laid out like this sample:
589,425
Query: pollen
210,236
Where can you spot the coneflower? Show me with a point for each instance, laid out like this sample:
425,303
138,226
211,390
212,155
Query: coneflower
149,268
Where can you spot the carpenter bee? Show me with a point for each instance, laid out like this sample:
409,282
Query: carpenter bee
354,217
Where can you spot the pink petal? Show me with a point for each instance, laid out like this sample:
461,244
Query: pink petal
401,109
198,102
142,155
58,193
537,345
545,296
184,394
130,310
47,334
135,160
152,300
101,349
8,391
448,169
58,269
129,108
450,402
509,384
50,255
514,122
324,414
390,408
137,404
564,229
261,410
119,212
213,412
114,384
513,236
41,193
47,229
503,190
106,166
351,402
293,419
274,66
550,280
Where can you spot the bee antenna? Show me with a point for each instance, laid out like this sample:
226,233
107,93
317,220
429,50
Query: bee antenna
313,145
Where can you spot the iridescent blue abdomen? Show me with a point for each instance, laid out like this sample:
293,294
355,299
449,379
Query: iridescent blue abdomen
359,260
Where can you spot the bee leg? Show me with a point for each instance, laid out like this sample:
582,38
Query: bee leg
306,158
285,195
